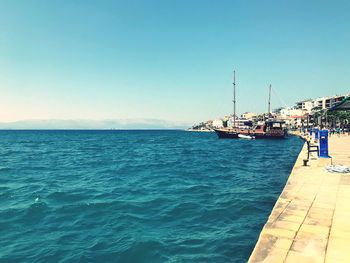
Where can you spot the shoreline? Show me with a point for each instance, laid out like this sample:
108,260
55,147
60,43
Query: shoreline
194,130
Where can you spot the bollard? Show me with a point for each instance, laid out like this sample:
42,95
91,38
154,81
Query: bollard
324,144
316,133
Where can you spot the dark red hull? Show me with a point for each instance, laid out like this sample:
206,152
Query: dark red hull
222,134
233,133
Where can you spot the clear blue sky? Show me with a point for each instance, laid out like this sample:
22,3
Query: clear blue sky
170,60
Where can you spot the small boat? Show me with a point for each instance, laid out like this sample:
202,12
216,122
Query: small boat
245,136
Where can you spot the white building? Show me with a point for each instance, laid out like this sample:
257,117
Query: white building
291,111
305,105
248,115
218,123
328,102
240,122
320,102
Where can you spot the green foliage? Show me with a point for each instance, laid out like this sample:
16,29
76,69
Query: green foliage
199,126
316,112
317,108
338,116
260,118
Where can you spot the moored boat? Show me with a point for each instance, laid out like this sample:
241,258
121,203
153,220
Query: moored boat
270,129
246,136
226,133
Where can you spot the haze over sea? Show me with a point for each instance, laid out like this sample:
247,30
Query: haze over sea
136,196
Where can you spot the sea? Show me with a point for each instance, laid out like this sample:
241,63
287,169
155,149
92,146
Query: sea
136,195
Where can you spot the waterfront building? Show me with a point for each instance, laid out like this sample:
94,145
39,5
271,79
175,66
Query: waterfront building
218,123
291,111
305,105
249,115
331,102
295,116
240,122
320,102
328,102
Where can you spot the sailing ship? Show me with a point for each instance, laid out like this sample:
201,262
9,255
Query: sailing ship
270,128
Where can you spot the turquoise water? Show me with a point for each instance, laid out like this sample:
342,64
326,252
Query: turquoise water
136,196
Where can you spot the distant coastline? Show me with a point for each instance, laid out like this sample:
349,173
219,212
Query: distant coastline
116,124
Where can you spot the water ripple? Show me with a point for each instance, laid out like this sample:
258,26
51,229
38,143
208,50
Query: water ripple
136,196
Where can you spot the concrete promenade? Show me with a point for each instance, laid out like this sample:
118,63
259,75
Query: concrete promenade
310,221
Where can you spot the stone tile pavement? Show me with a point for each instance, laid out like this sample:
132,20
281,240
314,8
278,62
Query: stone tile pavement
310,221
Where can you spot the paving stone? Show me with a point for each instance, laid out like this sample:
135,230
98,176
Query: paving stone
339,233
286,225
339,248
310,243
283,243
296,257
311,220
276,255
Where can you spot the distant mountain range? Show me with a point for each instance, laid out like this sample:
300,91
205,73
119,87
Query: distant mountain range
95,124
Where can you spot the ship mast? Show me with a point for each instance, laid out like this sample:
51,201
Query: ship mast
268,116
234,100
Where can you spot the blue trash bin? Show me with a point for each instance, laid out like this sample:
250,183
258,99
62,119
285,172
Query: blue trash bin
324,144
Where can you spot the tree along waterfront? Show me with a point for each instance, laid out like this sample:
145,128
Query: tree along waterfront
325,118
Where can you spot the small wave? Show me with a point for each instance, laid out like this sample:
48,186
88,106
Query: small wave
66,197
144,251
186,151
182,210
250,210
199,188
35,213
4,168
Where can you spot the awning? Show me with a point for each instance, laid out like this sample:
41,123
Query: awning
343,105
